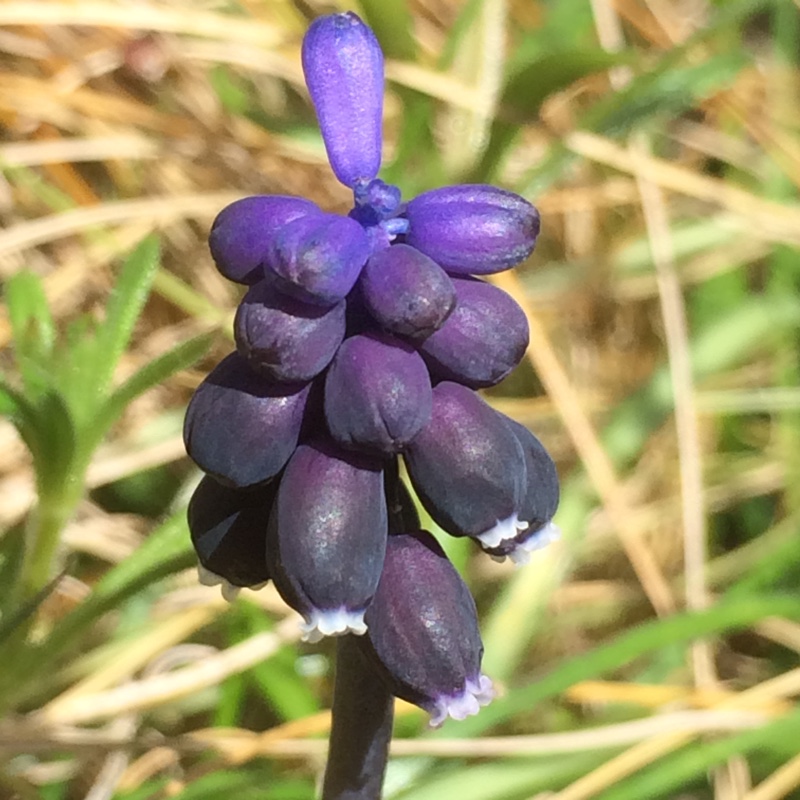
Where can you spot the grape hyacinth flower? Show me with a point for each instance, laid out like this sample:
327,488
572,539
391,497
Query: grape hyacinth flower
361,340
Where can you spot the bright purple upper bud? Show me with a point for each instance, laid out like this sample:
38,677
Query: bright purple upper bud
283,338
468,468
327,537
229,534
423,631
242,231
539,503
317,259
472,229
406,292
377,394
240,427
482,340
343,67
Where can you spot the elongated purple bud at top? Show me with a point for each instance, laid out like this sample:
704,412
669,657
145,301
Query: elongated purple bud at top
327,537
343,67
406,292
318,259
482,340
229,534
283,338
377,394
423,631
472,229
468,468
242,231
539,503
240,427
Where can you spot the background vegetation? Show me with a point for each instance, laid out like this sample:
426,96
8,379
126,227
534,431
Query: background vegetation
653,652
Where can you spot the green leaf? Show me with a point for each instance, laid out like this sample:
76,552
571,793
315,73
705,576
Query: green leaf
180,357
31,328
124,307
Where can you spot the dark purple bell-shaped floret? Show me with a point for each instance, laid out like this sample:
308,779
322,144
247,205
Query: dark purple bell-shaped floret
242,231
406,292
318,258
377,394
327,537
468,468
423,631
482,340
472,229
285,339
240,427
343,67
539,504
229,531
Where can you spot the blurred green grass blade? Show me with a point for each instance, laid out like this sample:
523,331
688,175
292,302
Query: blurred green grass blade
32,329
392,22
729,614
127,300
503,779
157,371
670,775
466,18
526,90
56,438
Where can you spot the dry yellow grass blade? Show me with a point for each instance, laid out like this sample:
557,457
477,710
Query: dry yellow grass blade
780,784
156,690
123,661
632,760
156,209
764,219
95,148
143,16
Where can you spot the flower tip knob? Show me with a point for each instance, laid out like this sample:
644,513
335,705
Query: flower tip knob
343,67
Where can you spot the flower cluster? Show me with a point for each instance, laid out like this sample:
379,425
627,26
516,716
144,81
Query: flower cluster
362,338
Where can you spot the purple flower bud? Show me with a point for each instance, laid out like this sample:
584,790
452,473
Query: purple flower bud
468,468
283,338
318,258
406,292
229,531
242,231
482,340
423,631
539,503
472,229
377,394
327,537
343,67
240,427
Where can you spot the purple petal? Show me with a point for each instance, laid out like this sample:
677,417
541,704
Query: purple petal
468,468
472,229
242,231
240,427
285,339
539,503
406,292
327,537
343,67
317,259
229,532
377,394
423,631
482,340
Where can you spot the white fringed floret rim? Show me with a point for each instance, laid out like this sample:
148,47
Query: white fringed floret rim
502,530
521,554
332,622
476,693
230,592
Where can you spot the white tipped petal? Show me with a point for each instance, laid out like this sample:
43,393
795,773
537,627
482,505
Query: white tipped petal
332,622
208,578
467,703
501,531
